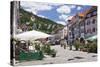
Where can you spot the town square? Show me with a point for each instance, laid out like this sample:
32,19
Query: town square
52,33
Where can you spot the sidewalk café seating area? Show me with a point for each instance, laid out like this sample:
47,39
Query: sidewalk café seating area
22,52
23,41
40,46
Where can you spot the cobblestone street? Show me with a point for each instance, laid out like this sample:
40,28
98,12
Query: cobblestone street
63,56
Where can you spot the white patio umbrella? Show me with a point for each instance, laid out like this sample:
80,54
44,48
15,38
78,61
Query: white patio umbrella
31,35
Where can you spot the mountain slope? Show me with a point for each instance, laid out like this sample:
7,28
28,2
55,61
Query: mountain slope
38,23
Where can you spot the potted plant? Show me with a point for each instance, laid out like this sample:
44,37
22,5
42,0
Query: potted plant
43,48
53,53
48,49
64,46
92,48
76,45
37,46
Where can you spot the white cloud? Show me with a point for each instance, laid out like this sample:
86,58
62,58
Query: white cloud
42,16
35,6
28,10
63,17
55,4
79,8
72,6
68,18
31,10
64,9
61,22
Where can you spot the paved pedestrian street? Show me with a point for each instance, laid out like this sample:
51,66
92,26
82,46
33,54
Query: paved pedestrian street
63,56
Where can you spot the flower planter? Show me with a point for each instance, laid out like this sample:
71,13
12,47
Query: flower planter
54,55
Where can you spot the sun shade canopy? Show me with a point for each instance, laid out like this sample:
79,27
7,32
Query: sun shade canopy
92,38
31,35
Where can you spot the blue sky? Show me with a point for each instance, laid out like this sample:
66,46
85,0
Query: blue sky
57,12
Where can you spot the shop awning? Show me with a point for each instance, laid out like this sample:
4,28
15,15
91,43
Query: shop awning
92,38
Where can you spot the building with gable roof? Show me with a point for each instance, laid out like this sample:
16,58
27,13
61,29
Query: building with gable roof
82,25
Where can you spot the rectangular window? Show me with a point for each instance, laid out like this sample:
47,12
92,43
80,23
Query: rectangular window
70,33
88,22
82,23
89,31
82,30
89,15
93,29
93,21
94,13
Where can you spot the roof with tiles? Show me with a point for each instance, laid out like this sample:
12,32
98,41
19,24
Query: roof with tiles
82,14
